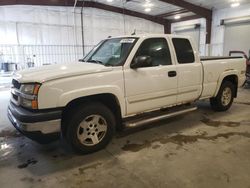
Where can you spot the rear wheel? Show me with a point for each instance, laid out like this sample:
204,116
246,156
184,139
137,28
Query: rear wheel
224,98
90,128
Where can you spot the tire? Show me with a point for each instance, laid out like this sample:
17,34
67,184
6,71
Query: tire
223,102
90,128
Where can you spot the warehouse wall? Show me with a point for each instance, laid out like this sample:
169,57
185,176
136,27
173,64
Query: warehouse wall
202,41
55,25
218,30
59,28
217,40
49,26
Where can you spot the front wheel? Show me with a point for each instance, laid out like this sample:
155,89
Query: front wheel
224,98
90,128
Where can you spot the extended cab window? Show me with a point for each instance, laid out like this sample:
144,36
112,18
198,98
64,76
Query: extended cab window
157,49
183,50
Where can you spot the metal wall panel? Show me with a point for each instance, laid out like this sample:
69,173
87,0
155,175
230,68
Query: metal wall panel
237,37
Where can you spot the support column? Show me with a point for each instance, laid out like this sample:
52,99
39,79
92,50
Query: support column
208,36
208,30
167,28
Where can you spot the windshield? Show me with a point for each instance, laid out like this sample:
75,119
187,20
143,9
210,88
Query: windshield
111,52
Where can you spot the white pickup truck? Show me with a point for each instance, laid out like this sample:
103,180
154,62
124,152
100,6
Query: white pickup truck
123,82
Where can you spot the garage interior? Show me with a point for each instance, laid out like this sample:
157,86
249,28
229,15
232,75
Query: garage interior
201,149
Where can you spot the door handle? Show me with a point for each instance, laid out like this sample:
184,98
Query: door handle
172,73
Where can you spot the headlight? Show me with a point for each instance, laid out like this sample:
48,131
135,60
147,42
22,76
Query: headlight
28,95
30,89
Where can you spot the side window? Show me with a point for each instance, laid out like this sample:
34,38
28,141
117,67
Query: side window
183,50
157,49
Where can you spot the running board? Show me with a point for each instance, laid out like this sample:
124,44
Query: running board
141,122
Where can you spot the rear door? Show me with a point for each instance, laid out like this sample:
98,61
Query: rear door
189,70
153,87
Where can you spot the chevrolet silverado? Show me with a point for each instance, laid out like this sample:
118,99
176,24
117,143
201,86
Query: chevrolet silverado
124,81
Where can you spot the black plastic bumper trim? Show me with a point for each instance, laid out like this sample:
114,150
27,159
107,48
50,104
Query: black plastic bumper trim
26,116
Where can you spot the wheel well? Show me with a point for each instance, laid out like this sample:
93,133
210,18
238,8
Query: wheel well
107,99
234,80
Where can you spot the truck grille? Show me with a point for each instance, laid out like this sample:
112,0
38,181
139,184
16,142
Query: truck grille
16,84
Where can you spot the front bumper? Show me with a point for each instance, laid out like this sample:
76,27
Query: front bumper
41,126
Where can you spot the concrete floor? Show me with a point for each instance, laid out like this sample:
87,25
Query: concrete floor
199,149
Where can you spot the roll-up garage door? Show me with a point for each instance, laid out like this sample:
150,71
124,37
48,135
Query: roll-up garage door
237,37
194,33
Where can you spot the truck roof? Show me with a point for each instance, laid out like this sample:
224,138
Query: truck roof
151,35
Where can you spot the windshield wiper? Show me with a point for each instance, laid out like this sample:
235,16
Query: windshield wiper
109,65
95,61
81,60
100,62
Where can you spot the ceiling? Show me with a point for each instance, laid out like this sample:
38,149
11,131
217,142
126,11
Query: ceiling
217,4
158,7
159,11
138,6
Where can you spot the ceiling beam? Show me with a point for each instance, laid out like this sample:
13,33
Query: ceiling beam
173,13
201,11
40,2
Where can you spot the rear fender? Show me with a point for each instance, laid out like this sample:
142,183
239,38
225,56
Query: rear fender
222,77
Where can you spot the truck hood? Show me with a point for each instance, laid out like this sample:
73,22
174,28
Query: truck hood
51,72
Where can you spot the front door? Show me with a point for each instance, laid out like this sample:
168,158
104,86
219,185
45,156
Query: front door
155,86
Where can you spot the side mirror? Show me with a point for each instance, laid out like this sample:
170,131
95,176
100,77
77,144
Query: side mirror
141,61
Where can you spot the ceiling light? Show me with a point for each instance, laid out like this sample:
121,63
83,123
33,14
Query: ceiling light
147,9
177,17
235,4
109,1
148,4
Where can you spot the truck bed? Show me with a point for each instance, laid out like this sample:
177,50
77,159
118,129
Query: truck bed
215,67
